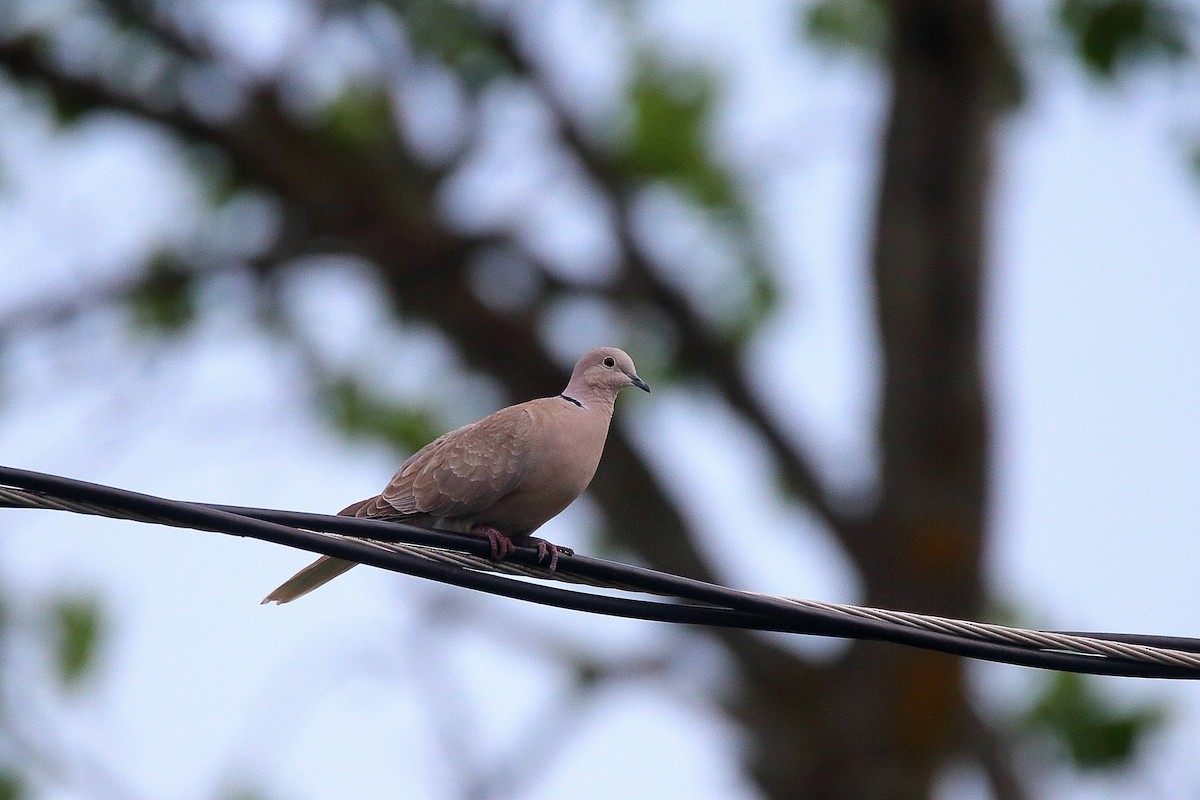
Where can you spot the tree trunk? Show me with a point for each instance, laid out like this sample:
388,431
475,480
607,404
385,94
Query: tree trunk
879,723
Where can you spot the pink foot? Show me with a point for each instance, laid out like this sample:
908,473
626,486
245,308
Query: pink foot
545,548
502,546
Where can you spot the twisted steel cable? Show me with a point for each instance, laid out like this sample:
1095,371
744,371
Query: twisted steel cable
462,560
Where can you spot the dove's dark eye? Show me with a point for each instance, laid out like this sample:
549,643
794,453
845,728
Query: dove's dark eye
610,362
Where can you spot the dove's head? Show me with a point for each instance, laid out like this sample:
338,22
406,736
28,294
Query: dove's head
601,373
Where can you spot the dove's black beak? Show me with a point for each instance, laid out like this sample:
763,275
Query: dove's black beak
639,383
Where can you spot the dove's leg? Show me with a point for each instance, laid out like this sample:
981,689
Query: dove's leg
545,548
502,546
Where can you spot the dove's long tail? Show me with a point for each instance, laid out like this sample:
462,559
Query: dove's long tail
318,573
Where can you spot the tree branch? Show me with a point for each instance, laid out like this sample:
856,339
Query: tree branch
716,358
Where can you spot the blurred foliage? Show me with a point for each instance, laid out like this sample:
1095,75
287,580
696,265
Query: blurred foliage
242,793
359,120
215,176
164,300
65,630
1110,34
668,141
359,412
78,623
587,674
862,26
67,109
760,299
455,34
856,25
1093,732
12,785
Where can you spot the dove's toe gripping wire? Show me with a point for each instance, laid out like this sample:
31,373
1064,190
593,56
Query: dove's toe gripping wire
502,546
550,549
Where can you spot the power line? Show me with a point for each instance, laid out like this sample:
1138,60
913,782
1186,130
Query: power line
462,560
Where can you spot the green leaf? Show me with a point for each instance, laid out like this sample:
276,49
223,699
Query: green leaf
242,793
164,301
12,785
454,33
856,25
359,119
359,412
588,675
1109,34
1095,734
78,623
667,141
214,172
66,107
757,299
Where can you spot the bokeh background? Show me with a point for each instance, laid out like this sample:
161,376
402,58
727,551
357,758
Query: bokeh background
916,282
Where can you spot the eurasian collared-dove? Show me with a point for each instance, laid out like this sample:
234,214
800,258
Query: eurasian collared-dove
503,476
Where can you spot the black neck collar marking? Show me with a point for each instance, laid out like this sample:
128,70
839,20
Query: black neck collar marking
571,400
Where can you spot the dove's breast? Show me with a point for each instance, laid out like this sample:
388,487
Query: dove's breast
565,446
